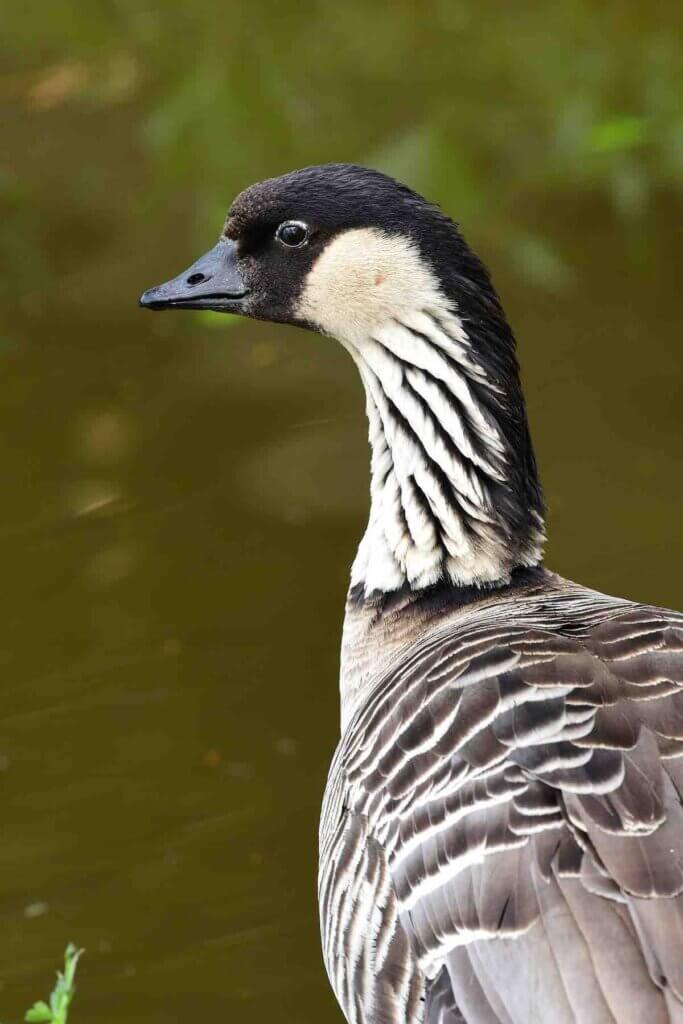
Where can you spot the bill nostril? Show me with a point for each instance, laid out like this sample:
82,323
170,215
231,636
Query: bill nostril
196,279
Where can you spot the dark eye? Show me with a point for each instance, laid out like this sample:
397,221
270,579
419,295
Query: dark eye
292,233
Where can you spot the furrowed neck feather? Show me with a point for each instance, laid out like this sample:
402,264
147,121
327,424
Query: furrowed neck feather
454,489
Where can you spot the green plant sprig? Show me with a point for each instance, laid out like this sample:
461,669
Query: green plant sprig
56,1011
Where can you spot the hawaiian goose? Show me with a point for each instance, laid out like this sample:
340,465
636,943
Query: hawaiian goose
502,832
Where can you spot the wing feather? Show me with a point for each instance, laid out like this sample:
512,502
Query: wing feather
522,781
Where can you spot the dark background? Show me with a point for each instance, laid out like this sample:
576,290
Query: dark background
182,495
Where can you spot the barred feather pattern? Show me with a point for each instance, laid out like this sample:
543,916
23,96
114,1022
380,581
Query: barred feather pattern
439,461
502,833
454,491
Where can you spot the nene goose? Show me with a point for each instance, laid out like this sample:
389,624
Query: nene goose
502,831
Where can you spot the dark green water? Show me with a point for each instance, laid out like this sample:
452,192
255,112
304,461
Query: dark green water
181,500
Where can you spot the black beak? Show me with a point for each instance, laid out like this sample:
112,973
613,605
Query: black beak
213,282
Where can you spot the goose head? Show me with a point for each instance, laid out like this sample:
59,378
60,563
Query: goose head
334,248
349,252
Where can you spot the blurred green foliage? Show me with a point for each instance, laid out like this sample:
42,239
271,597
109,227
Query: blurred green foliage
476,104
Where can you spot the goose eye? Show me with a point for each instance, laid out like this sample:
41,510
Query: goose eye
292,233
